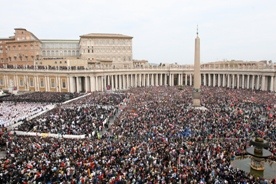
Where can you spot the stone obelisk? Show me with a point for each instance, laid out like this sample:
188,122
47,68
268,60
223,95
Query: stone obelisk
197,78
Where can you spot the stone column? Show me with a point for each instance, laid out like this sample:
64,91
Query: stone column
57,84
172,80
161,80
147,79
263,83
120,82
274,79
92,83
238,81
96,83
127,81
219,80
60,85
139,79
103,82
46,83
253,86
214,80
112,82
124,81
131,80
223,80
37,84
108,79
248,81
70,84
271,83
116,82
228,80
242,81
135,80
233,80
77,84
152,80
258,82
186,79
209,79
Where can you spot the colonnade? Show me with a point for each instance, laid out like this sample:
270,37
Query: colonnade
240,80
102,80
125,81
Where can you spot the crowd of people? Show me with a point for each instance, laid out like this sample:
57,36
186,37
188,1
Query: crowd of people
11,113
158,137
87,115
42,97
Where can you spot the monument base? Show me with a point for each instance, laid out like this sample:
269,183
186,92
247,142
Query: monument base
202,108
196,103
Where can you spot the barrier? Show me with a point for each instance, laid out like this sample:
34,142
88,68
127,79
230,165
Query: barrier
45,135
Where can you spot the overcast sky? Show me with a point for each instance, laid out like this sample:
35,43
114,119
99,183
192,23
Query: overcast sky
162,30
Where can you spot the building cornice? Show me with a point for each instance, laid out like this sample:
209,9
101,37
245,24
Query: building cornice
105,35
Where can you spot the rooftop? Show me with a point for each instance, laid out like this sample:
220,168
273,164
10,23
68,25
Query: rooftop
105,35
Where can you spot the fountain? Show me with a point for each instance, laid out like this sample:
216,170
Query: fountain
258,153
256,161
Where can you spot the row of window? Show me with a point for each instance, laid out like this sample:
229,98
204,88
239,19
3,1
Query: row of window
106,42
23,38
18,47
61,46
107,50
59,51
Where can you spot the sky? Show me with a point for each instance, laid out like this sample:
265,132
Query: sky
163,31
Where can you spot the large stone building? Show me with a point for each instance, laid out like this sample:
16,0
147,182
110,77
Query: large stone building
90,50
22,48
116,48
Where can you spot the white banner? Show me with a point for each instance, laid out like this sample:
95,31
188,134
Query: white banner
44,135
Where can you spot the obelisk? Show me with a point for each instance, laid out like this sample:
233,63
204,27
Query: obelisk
197,78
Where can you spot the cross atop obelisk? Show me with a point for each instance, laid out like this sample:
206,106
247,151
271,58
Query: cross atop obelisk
197,78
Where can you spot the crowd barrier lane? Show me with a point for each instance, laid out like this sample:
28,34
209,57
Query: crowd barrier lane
44,135
71,100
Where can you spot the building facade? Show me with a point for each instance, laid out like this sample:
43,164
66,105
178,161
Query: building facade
22,48
95,48
108,47
102,79
60,48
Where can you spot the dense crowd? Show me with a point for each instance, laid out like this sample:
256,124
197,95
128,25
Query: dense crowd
157,138
84,116
42,97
